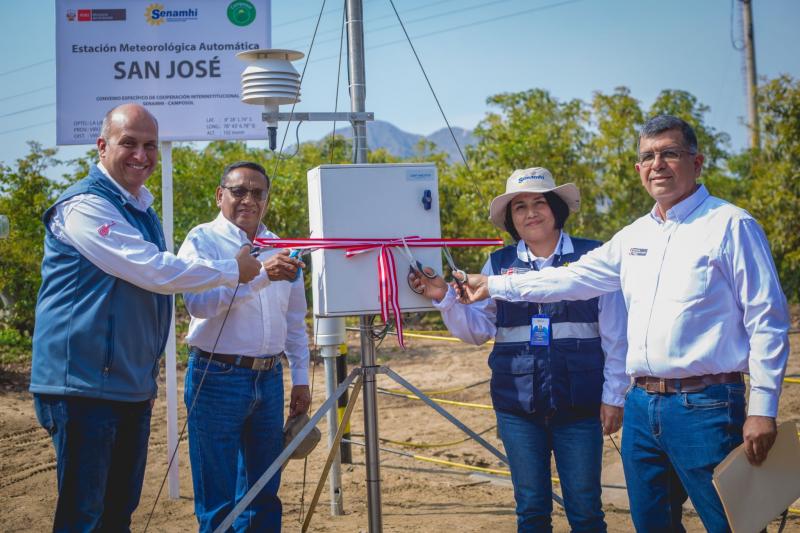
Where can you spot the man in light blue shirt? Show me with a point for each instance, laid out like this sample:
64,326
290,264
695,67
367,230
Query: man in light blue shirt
705,306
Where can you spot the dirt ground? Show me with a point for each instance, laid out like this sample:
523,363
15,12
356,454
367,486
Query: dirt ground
416,495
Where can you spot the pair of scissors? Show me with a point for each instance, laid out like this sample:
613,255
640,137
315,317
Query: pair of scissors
296,253
415,267
459,276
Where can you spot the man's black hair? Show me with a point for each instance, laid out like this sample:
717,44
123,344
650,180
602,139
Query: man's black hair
557,206
661,123
243,164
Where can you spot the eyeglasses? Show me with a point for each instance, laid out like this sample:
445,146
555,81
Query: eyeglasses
240,192
671,155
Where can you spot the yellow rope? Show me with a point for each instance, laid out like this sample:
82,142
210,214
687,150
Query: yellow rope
439,400
432,445
791,380
469,467
443,391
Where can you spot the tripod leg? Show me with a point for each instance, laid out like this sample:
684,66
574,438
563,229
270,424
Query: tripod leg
332,453
439,409
284,456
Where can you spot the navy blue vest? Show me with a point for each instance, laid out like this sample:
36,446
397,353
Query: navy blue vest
561,381
97,335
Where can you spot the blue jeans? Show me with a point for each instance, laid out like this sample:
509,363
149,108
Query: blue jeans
684,435
578,449
235,433
101,452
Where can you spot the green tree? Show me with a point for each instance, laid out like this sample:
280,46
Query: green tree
617,117
772,178
25,193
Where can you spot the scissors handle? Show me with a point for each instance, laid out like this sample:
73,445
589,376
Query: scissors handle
295,254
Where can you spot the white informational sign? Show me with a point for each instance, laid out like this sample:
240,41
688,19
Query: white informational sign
175,57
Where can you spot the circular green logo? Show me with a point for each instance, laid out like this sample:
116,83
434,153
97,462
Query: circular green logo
241,12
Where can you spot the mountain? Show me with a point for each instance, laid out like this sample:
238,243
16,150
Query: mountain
403,144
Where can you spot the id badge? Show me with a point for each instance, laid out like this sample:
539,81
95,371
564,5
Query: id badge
540,330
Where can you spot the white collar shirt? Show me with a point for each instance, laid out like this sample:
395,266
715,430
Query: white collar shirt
266,318
476,323
563,246
99,232
702,293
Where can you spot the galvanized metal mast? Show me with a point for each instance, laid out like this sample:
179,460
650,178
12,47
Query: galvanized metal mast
358,93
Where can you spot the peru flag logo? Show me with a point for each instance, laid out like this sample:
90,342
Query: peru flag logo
105,229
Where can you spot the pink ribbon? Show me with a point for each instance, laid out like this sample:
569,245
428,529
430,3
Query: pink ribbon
387,268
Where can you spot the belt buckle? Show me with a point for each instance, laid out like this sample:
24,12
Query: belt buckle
657,386
262,363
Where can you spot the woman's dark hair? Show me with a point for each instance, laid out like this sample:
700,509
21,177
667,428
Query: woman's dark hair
557,206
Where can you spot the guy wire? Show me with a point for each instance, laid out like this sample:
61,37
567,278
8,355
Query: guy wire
338,81
302,76
441,110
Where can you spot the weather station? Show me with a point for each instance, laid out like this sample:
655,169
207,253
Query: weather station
361,216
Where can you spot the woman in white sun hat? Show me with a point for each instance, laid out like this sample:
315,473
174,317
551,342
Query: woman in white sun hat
558,369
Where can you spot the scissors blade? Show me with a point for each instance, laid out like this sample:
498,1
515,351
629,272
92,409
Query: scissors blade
454,270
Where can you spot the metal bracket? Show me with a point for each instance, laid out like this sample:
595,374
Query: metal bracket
318,117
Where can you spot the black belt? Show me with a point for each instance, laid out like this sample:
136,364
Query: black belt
242,361
690,384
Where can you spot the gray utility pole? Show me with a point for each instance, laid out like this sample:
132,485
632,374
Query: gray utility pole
752,76
358,95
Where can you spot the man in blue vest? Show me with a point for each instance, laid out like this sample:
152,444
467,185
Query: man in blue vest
102,320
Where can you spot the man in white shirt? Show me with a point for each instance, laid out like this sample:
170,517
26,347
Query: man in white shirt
234,384
705,305
102,320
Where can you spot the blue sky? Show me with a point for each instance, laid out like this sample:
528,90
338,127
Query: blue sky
471,49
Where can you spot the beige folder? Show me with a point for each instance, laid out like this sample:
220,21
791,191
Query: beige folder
754,495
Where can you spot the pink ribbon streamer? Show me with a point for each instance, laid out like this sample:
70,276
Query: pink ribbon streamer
388,293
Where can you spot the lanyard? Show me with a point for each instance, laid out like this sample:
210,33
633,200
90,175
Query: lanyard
532,264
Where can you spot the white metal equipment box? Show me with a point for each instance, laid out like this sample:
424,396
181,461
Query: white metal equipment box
370,201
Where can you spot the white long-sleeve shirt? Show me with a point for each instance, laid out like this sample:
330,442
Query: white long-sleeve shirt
266,318
475,323
94,227
702,293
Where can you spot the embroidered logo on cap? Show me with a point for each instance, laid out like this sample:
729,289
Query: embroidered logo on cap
526,178
638,251
105,229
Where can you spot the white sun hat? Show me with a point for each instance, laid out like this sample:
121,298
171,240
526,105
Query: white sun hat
535,180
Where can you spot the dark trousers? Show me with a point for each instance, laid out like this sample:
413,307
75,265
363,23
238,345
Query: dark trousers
101,452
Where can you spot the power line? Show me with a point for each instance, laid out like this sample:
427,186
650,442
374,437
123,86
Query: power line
301,19
428,17
29,126
26,93
468,25
28,109
390,15
13,70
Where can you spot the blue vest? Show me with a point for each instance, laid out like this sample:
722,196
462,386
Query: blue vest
562,381
97,335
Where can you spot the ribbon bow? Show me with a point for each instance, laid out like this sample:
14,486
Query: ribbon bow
387,268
